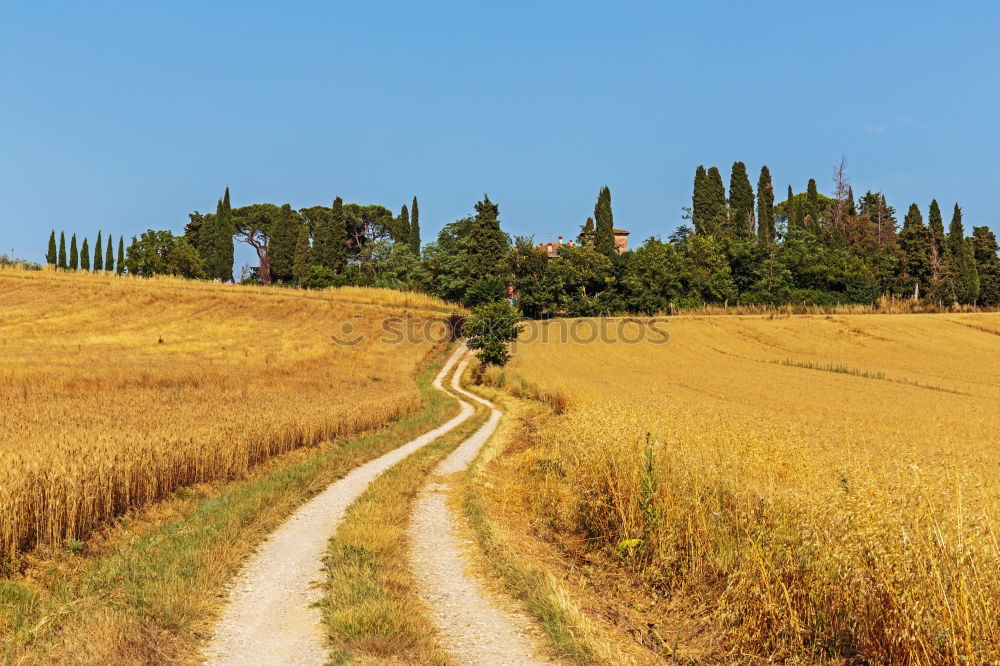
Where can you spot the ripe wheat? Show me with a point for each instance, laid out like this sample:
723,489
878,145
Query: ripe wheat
117,391
844,515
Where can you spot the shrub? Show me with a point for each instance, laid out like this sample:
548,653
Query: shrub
490,330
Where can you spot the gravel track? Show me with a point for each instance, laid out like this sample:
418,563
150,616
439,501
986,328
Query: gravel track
472,627
271,617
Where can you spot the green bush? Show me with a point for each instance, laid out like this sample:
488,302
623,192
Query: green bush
490,330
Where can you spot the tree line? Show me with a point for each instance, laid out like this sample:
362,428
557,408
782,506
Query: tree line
79,258
814,249
736,247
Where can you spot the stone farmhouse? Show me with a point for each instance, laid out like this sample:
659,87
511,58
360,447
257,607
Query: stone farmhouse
551,250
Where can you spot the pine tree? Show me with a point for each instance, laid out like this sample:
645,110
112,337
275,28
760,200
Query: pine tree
281,250
962,260
85,256
109,257
881,217
604,229
812,204
765,207
303,255
487,245
74,256
51,256
98,257
741,201
120,266
698,201
339,237
415,229
62,250
716,218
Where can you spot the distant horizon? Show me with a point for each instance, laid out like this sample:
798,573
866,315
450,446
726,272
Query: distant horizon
124,118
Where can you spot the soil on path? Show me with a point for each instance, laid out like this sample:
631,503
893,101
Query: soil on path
271,617
472,626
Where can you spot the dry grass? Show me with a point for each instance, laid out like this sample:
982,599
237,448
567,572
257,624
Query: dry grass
371,608
150,587
884,305
116,391
807,516
529,569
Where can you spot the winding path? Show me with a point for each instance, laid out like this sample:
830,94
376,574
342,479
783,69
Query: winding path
270,617
471,626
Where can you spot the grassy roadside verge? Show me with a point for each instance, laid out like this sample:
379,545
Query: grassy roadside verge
148,591
519,562
371,608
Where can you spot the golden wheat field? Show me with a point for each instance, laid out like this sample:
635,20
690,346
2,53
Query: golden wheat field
814,488
116,391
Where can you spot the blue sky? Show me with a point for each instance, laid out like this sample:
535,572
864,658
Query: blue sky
123,116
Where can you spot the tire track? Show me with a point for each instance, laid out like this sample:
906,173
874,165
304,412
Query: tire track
471,626
271,617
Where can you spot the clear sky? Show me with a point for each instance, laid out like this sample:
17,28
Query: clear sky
123,116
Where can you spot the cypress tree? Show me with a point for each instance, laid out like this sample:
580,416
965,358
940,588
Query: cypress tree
587,233
812,204
987,265
62,250
339,238
74,256
109,257
209,239
403,226
935,224
765,207
604,230
956,232
303,254
962,260
222,257
852,209
281,250
120,266
51,256
716,219
205,240
915,244
85,256
698,201
415,228
322,246
791,214
741,201
941,286
98,257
